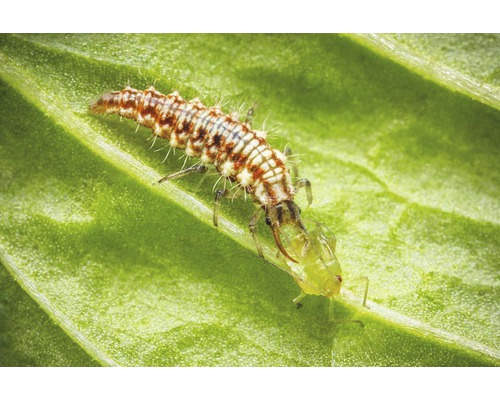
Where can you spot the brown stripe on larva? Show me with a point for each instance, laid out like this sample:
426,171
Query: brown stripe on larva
238,152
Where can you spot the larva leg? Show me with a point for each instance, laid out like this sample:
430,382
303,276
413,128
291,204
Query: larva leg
296,301
219,194
195,168
295,170
305,182
252,225
301,182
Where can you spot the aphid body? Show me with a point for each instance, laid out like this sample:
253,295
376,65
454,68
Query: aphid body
318,271
238,152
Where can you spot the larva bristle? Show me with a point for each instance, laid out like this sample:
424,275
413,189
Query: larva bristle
239,153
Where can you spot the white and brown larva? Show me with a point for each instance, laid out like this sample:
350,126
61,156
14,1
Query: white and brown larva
238,152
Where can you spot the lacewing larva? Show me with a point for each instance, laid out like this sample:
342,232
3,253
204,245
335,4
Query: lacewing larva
239,153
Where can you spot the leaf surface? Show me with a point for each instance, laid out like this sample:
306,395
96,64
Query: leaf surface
404,170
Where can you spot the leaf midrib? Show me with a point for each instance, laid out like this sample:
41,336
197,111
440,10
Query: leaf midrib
482,92
102,143
14,75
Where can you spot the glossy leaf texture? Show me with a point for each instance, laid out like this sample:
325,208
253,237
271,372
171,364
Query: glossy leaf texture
104,266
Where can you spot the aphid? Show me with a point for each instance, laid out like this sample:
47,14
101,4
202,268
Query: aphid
318,271
239,153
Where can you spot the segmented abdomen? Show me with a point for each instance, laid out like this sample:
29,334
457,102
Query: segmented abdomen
239,153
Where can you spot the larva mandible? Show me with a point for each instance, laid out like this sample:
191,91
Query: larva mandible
238,152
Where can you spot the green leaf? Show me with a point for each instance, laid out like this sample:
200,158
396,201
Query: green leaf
28,337
404,170
467,63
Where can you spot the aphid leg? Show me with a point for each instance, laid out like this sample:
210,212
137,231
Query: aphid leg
295,170
252,225
195,168
331,316
305,182
296,301
367,283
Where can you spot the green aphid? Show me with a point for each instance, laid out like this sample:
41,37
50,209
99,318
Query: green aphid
318,271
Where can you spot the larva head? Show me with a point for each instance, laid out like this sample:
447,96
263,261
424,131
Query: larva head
284,213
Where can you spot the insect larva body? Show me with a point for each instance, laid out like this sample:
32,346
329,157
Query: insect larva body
238,152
